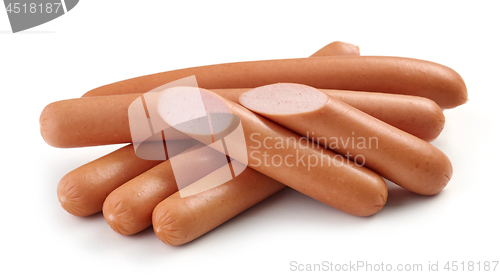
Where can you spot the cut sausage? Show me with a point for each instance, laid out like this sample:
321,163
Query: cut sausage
406,160
395,75
415,115
294,161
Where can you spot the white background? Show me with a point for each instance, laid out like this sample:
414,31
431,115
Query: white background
100,42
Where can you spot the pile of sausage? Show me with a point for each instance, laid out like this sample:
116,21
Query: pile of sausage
334,93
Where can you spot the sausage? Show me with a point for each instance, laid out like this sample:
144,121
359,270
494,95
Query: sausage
415,115
103,120
178,220
418,116
395,75
337,47
406,160
82,191
87,121
318,173
129,207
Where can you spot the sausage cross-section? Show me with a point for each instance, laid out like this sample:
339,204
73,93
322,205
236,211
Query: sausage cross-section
394,154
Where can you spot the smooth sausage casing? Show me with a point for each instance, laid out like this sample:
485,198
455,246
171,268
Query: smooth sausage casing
87,121
394,75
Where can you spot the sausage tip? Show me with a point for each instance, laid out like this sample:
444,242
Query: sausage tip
44,123
72,197
117,216
382,200
167,227
49,126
